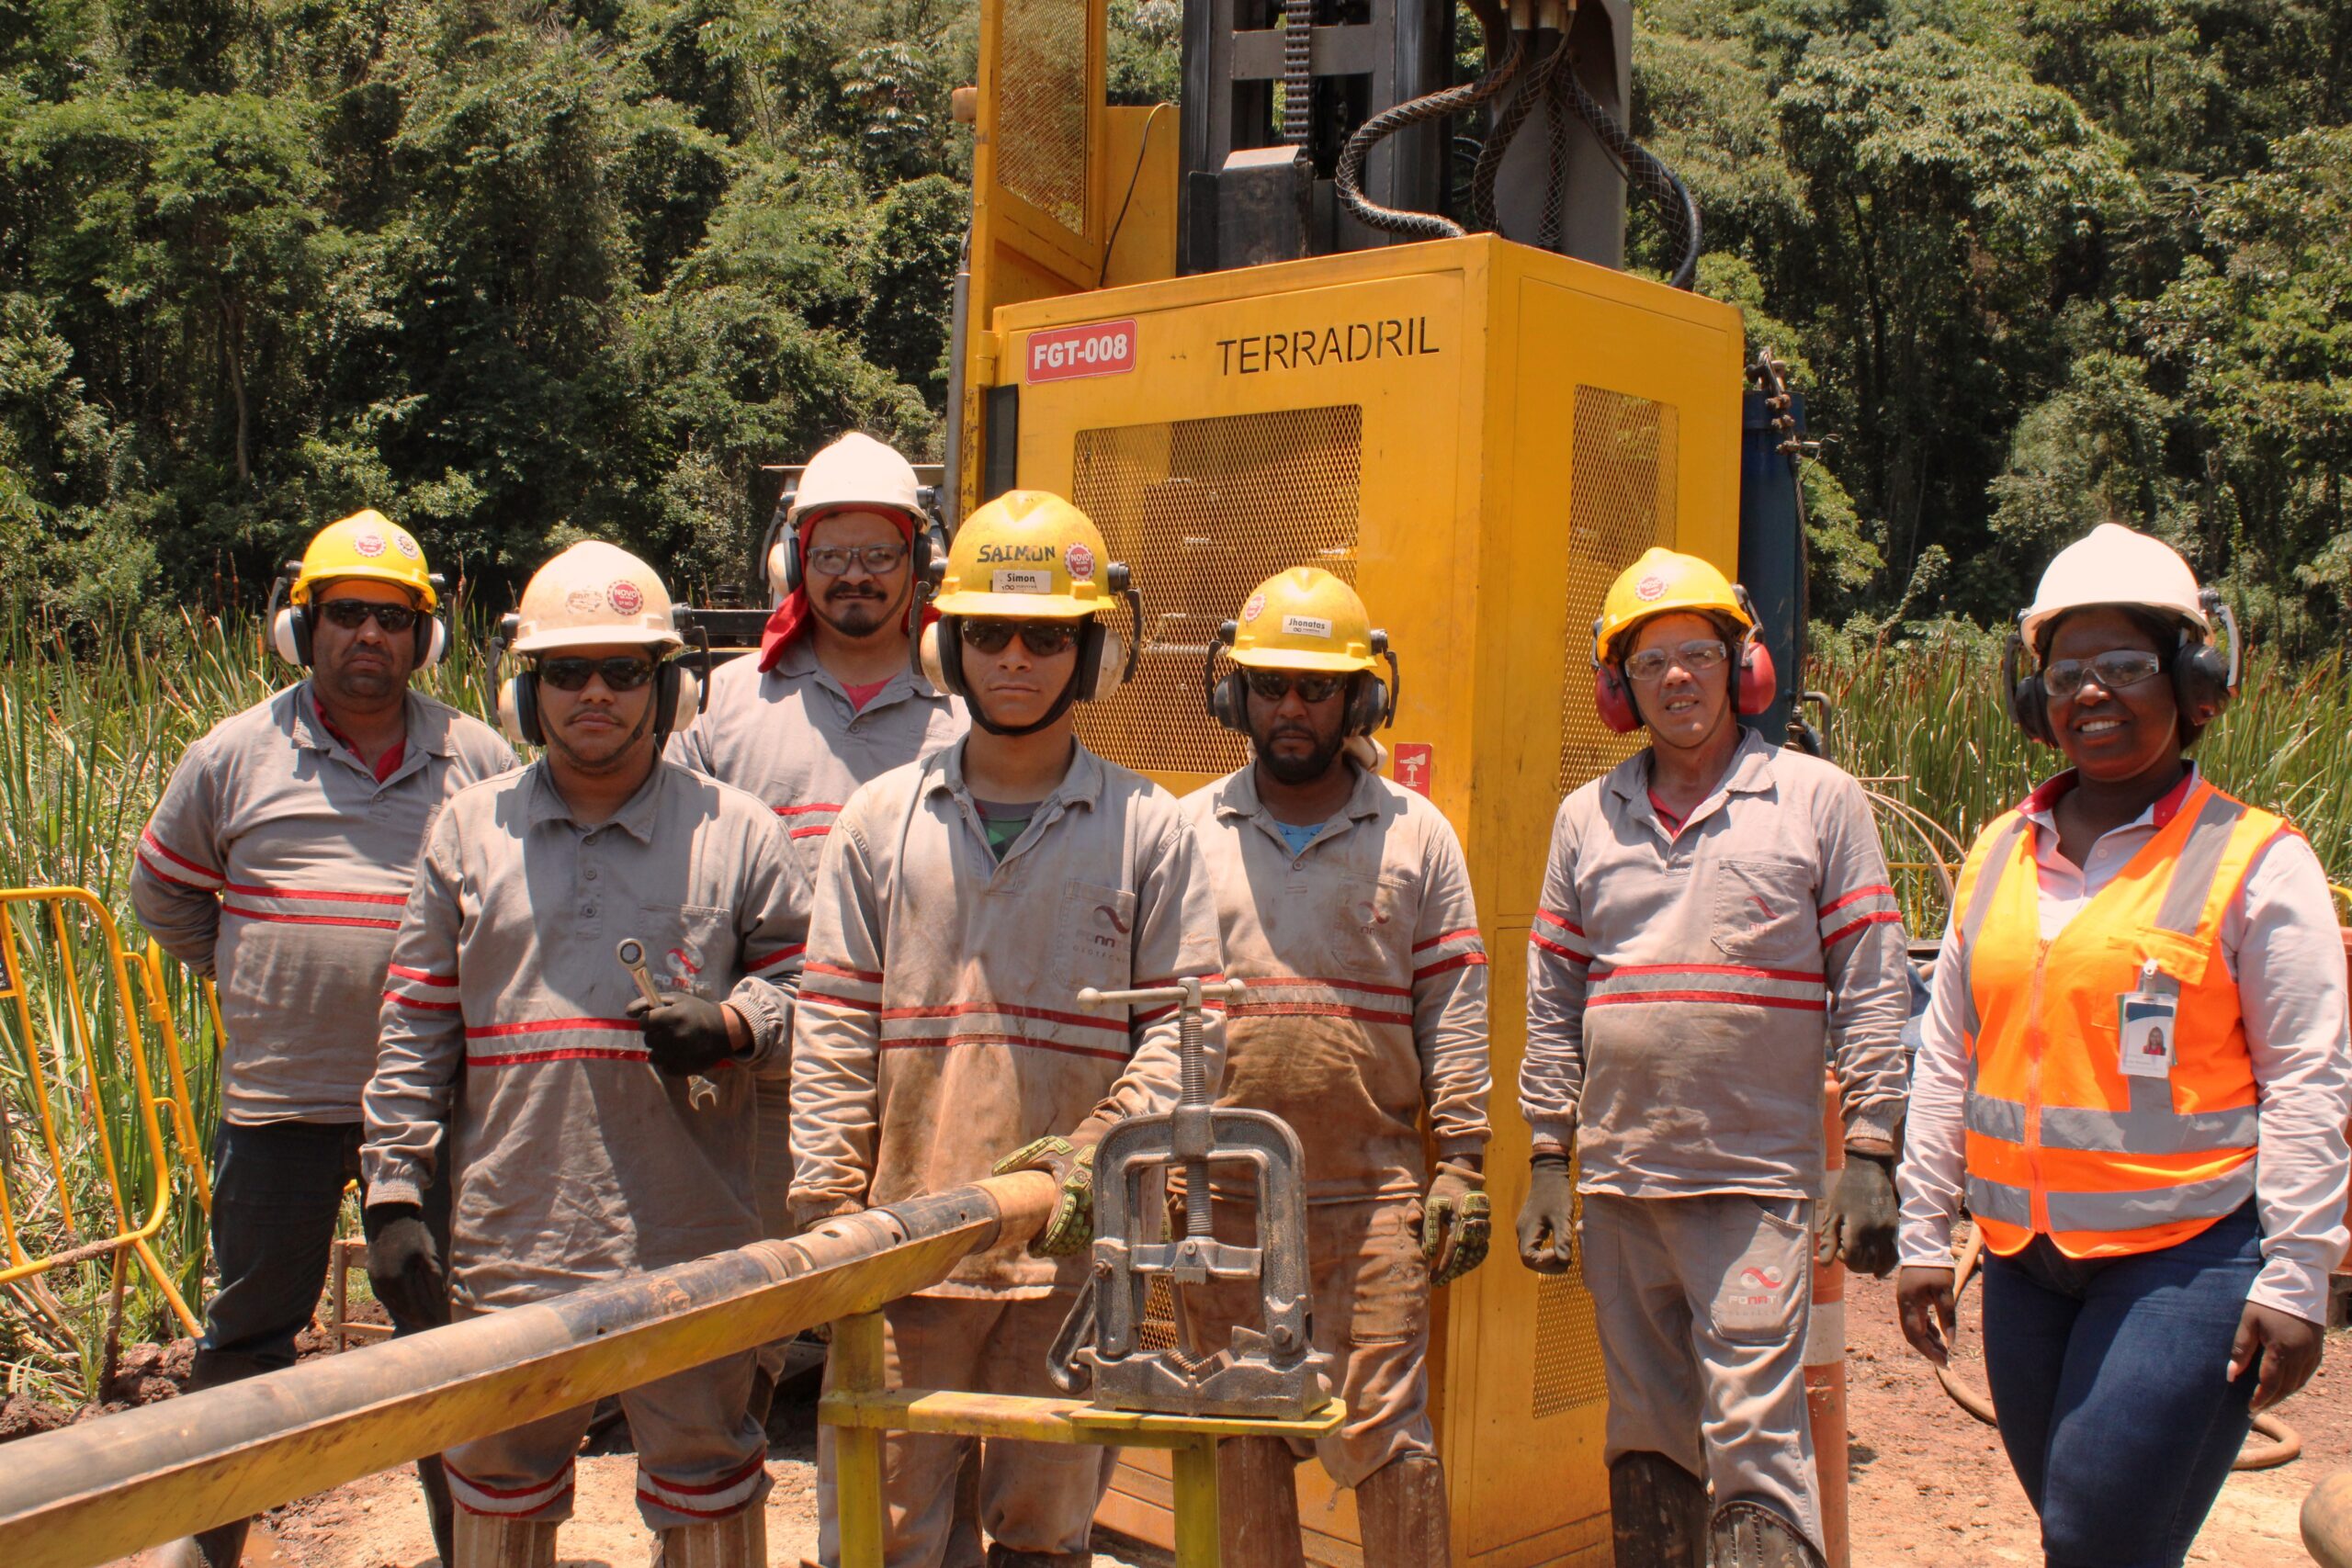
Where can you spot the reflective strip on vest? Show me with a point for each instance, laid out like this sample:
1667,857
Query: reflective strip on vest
2199,862
2152,1129
1980,905
2214,1199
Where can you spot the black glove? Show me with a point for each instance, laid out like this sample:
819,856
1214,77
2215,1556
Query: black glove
1547,1226
1857,1224
687,1034
404,1264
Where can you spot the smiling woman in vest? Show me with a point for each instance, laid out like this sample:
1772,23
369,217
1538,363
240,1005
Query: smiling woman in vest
2134,1072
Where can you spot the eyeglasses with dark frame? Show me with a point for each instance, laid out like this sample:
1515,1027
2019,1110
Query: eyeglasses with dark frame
621,672
352,614
834,561
1043,639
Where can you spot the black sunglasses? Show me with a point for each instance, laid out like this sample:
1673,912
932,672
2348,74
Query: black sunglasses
352,614
622,672
1274,685
1044,638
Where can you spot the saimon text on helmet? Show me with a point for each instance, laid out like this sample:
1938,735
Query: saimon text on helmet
1398,337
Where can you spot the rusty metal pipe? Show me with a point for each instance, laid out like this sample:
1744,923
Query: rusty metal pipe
90,1494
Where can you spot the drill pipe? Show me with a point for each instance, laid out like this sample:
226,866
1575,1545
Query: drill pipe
89,1493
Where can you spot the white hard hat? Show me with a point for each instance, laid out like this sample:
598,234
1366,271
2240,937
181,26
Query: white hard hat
858,471
2115,565
595,593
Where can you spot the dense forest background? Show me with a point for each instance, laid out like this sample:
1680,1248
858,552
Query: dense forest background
514,272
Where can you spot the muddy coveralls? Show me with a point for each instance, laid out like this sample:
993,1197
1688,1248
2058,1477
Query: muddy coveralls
1366,1009
277,863
573,1161
938,1030
1681,991
791,735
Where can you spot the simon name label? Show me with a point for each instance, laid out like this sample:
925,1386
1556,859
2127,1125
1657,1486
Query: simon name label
1098,348
1398,337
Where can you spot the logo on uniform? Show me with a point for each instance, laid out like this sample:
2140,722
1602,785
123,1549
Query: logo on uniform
1256,607
1766,1277
369,545
584,600
1649,588
406,545
1081,561
626,596
683,969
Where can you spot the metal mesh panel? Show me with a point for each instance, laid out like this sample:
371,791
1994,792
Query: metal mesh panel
1567,1371
1205,510
1041,108
1621,501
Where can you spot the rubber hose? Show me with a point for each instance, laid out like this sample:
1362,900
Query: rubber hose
1348,177
2284,1445
1555,147
1647,174
1504,131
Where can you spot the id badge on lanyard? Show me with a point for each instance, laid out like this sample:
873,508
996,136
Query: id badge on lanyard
2149,1028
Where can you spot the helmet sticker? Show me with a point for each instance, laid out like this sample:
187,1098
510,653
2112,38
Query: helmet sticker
584,600
1081,561
405,545
1255,608
370,544
1007,580
1649,588
1306,625
626,596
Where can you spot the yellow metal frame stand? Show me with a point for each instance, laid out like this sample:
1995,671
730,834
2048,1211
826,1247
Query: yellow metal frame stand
860,1409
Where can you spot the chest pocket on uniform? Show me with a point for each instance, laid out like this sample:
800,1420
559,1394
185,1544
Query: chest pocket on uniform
1096,938
1765,913
689,947
1367,930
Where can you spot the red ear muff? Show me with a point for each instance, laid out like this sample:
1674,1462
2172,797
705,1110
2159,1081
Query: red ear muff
1614,700
1759,681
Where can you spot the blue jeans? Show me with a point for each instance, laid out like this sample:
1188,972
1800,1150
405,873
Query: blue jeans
276,1193
2111,1379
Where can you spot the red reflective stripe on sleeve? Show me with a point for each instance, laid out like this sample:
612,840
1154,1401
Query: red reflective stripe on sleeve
420,1005
803,810
818,966
160,848
1884,917
778,956
827,999
160,874
1571,954
808,832
1465,932
1459,961
1566,925
1860,893
405,973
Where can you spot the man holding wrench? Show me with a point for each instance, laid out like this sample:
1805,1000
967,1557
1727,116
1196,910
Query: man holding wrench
581,1149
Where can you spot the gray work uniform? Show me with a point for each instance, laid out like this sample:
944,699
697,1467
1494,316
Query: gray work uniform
277,864
939,1030
574,1161
1682,993
1365,1008
791,735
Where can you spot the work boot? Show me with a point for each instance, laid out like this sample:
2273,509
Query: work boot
1400,1511
1657,1513
434,1477
738,1540
1257,1504
494,1541
1006,1557
223,1546
1749,1535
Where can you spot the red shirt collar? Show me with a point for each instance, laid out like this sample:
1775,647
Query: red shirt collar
386,765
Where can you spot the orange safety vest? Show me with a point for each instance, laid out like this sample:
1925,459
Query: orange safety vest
2060,1141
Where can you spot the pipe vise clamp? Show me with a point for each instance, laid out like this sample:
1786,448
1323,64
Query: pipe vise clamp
1271,1372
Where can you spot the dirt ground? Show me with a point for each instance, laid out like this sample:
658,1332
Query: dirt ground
1930,1487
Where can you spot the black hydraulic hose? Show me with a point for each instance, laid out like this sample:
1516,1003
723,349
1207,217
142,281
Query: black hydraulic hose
1556,126
1348,177
1647,174
1499,140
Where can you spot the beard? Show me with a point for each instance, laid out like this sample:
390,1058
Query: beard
1291,770
855,614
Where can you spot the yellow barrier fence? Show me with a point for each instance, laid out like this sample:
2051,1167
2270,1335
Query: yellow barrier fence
71,1053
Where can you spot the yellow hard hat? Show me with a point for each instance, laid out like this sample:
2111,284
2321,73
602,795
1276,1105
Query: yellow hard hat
1030,555
1662,582
595,593
364,545
1303,619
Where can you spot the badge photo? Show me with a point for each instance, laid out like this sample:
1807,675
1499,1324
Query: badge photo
2150,1042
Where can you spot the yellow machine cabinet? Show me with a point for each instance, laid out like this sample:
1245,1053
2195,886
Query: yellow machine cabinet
1479,435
